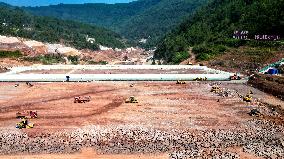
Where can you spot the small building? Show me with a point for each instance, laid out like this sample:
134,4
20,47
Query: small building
272,71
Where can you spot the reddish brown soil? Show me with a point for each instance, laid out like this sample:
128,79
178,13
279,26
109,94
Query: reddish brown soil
162,105
86,154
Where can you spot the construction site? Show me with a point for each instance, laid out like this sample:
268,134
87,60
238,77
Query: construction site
68,111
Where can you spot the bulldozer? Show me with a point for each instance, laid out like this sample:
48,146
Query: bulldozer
82,99
180,82
215,89
24,123
247,98
131,99
28,114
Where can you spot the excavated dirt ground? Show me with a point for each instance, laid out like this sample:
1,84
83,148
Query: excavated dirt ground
162,106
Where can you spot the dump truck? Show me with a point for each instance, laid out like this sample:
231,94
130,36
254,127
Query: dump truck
82,99
131,99
215,89
180,82
28,114
247,98
24,123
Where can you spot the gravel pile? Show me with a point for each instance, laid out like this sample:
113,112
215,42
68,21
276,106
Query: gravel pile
259,137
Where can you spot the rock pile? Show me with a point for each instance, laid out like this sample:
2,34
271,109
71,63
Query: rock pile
259,137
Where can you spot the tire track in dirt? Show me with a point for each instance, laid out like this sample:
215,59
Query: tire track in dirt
29,104
114,104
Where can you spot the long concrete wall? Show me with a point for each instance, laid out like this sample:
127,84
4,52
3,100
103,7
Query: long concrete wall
16,75
109,77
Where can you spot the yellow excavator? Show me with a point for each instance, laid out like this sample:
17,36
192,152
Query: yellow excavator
131,99
247,98
215,89
200,79
24,123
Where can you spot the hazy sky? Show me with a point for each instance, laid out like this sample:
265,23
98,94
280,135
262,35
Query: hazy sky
48,2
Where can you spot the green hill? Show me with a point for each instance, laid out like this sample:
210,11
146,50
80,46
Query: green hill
210,29
135,20
17,22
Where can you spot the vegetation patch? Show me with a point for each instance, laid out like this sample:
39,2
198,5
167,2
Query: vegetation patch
212,27
74,59
10,54
97,62
19,23
246,59
45,59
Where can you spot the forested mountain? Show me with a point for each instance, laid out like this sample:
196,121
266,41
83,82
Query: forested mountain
16,22
210,29
135,20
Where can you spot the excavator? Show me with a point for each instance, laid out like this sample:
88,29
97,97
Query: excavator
200,79
131,99
180,82
255,112
28,114
215,89
247,98
24,123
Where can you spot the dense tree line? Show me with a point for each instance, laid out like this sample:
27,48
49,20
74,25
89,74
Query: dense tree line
210,29
149,19
17,22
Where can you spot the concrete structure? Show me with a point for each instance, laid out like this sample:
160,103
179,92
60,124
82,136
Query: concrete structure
16,75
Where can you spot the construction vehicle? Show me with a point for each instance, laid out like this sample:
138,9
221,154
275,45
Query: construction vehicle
250,92
180,82
67,78
255,112
29,84
200,79
24,123
82,99
28,114
131,99
235,77
215,89
247,98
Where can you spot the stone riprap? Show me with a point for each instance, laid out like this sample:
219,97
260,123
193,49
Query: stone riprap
258,137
